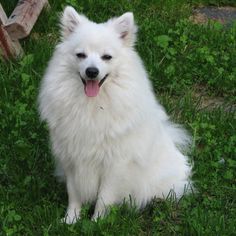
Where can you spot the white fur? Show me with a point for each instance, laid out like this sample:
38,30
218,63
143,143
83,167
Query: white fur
119,143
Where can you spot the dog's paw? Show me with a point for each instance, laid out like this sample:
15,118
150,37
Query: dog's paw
95,218
69,220
98,215
71,217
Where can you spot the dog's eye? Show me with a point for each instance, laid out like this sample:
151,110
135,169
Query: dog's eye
81,55
106,57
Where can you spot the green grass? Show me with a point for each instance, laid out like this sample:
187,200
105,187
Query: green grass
182,60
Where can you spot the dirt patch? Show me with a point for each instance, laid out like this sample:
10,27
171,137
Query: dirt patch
207,102
224,15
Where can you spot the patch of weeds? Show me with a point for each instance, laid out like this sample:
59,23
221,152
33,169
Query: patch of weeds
11,224
183,54
190,54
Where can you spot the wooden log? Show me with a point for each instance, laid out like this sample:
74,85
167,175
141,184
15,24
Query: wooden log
9,48
23,17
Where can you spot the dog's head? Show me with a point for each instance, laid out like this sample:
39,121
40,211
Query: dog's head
95,49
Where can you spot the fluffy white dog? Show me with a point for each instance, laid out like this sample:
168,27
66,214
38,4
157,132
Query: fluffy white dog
109,135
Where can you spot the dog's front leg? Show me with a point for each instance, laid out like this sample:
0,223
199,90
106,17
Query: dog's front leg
105,199
74,204
101,209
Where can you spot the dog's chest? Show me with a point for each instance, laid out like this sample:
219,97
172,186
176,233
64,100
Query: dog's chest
88,175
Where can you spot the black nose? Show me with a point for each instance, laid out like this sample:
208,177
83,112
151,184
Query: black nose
92,72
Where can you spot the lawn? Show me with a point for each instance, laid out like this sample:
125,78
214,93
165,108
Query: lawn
193,71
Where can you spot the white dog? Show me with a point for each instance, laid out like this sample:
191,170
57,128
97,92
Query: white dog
109,135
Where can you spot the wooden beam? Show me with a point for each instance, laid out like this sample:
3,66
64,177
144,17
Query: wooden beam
3,16
23,17
8,47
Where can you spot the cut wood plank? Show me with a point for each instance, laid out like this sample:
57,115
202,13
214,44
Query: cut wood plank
3,16
9,48
23,17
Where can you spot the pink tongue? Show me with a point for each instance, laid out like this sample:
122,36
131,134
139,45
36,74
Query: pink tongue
92,88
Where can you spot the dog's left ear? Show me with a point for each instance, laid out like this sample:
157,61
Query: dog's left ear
126,28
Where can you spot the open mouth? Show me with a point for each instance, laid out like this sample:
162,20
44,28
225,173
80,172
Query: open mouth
92,87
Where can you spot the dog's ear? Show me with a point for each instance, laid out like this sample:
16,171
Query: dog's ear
126,28
70,20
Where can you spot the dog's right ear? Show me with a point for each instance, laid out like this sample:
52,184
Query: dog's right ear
126,28
70,20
